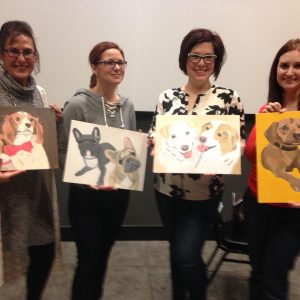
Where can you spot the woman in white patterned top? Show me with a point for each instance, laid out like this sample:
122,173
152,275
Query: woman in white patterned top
188,202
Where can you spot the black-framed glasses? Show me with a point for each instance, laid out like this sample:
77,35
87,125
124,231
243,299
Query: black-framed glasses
112,63
207,58
15,53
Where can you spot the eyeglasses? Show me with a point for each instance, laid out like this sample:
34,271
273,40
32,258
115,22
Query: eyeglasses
112,63
207,58
15,53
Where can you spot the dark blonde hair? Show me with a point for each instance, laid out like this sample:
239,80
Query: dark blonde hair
95,56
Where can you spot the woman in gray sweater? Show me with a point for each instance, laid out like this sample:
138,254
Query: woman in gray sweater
96,212
29,213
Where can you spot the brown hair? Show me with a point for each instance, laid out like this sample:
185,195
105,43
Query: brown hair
95,56
11,30
275,90
197,36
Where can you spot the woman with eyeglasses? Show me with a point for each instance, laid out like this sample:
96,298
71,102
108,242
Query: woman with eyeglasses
188,202
29,213
97,212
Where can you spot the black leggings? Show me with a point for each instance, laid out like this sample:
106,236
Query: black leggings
96,218
41,259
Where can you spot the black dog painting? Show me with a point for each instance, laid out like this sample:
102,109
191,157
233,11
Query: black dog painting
101,155
92,152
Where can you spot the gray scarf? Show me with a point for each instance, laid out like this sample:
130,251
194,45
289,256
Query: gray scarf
14,94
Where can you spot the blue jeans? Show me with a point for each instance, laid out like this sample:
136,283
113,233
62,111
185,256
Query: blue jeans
274,243
187,223
96,218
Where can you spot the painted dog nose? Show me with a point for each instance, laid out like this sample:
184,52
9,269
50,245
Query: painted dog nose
203,139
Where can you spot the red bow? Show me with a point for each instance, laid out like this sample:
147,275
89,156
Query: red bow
11,150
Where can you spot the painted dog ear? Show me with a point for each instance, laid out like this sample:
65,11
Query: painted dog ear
128,143
164,131
270,133
77,134
96,133
111,154
39,131
8,130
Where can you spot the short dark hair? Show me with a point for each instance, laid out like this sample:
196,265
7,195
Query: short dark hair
197,36
12,29
275,90
95,56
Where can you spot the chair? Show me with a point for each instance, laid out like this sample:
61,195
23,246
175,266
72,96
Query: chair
230,238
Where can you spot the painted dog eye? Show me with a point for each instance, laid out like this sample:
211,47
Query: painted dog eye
187,133
132,153
120,161
173,136
18,119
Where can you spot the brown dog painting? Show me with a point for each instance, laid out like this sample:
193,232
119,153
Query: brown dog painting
21,142
126,165
282,154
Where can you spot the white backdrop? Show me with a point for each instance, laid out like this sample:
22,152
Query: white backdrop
150,32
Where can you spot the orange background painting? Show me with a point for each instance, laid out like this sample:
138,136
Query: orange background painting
272,189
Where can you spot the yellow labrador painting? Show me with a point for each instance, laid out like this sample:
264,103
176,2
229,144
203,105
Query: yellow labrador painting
278,141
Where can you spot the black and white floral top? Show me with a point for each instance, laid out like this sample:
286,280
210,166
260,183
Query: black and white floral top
216,101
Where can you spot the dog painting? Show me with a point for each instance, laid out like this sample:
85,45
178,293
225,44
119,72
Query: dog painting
126,163
279,153
197,144
23,139
92,152
220,141
102,155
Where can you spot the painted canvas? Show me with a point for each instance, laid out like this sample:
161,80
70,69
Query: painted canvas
278,157
197,144
28,139
105,155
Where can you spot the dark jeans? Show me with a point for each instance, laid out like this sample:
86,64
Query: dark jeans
41,259
187,223
96,218
274,243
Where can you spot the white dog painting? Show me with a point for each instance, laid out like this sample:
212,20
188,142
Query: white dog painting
23,138
197,144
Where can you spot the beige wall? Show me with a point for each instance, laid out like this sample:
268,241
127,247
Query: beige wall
150,32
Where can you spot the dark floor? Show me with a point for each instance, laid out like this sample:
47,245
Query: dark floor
140,271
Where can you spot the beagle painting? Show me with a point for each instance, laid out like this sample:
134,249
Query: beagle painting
197,144
282,153
21,142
